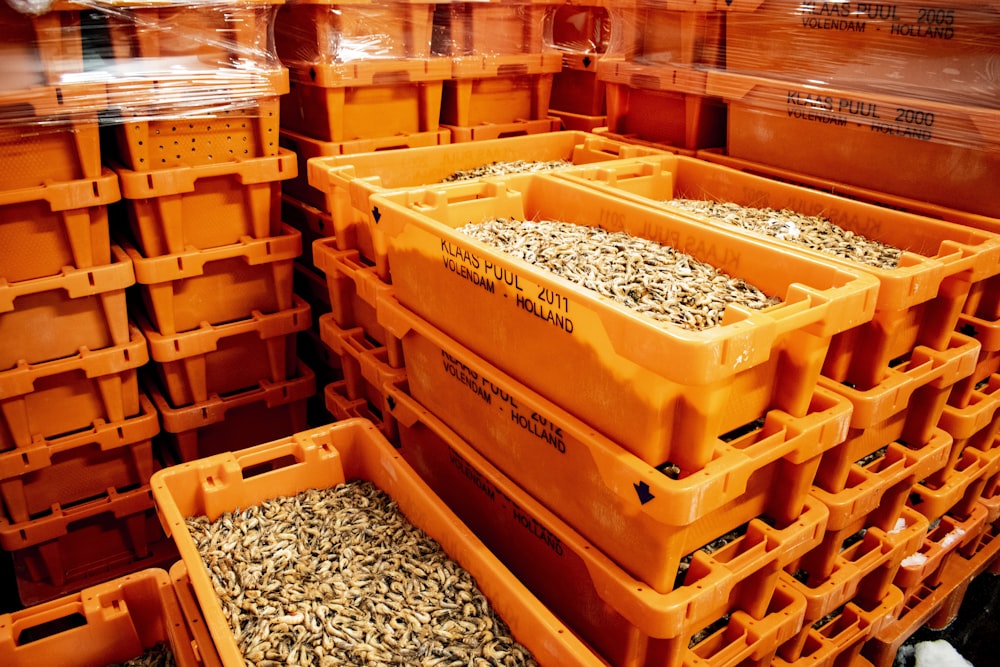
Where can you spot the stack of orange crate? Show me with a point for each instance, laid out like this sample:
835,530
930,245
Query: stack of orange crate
580,30
502,70
76,431
655,73
201,173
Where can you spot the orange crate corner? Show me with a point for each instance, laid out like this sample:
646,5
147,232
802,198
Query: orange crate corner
204,647
353,289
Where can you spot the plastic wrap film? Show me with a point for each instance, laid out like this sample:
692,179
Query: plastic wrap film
581,26
121,60
491,27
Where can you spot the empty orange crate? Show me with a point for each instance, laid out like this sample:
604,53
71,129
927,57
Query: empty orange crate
667,32
945,540
501,89
74,468
81,308
331,31
579,27
307,148
225,358
901,146
576,88
976,425
666,105
40,49
235,421
490,28
905,406
207,655
108,623
367,99
73,546
217,285
941,52
47,227
923,606
154,37
839,638
637,514
587,355
919,302
50,134
353,289
325,457
626,621
959,492
364,365
56,398
348,182
190,121
205,206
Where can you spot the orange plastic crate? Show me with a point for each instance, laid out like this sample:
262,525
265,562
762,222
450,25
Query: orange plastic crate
624,619
348,182
226,358
46,227
975,425
919,303
217,285
363,365
205,206
56,398
54,148
332,32
941,52
573,348
207,655
78,467
838,639
353,289
924,606
901,146
575,122
579,27
310,284
235,421
81,308
576,88
312,222
656,520
74,547
950,537
959,491
668,105
40,49
668,32
108,623
517,128
367,99
501,89
194,121
491,28
322,458
307,148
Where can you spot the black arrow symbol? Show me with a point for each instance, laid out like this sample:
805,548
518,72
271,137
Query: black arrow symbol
968,329
642,490
729,2
391,402
586,61
376,214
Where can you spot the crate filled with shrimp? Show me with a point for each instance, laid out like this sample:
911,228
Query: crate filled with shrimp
926,267
726,601
510,251
347,182
349,471
132,617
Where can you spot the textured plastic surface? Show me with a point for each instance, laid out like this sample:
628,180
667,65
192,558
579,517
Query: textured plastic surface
919,302
62,145
121,619
78,467
353,289
898,145
217,285
46,227
347,182
205,206
79,308
975,425
622,617
59,397
633,512
588,355
235,421
226,358
944,52
325,457
499,90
